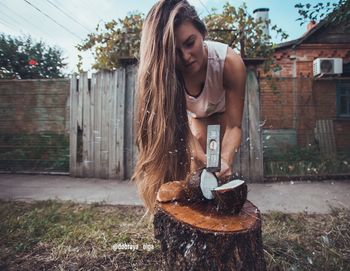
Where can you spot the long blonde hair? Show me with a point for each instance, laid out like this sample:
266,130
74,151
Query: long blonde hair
162,130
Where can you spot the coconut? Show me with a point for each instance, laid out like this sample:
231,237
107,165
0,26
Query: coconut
200,185
230,197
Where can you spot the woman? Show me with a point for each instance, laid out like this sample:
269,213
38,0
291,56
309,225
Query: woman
183,85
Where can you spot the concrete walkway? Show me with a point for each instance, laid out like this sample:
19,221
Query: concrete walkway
311,197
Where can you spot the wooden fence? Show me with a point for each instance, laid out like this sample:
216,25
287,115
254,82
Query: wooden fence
102,143
101,117
249,161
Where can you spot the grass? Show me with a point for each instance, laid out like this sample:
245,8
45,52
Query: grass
50,235
301,161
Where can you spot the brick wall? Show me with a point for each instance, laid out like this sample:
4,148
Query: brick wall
32,106
297,103
294,99
342,130
34,125
286,103
299,62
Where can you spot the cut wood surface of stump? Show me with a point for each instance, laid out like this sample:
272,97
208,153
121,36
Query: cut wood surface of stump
195,236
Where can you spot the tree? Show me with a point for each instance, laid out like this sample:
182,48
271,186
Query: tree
236,27
320,11
23,58
233,26
118,39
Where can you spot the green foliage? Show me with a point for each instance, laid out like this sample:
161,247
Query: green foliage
23,58
303,161
236,27
118,39
233,26
321,11
42,152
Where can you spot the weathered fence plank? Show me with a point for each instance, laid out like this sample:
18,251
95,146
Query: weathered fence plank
249,159
80,103
104,126
244,148
120,124
73,126
93,89
129,121
97,123
112,126
255,135
86,107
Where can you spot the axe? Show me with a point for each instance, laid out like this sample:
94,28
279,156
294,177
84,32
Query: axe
208,180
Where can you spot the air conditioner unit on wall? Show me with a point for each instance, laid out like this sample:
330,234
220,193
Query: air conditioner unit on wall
328,66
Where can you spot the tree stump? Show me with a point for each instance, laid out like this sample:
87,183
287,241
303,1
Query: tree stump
196,237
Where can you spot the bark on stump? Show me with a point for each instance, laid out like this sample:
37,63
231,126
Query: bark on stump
195,237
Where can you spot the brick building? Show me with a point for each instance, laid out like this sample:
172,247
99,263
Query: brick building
300,108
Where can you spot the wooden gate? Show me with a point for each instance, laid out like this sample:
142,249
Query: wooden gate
102,142
101,124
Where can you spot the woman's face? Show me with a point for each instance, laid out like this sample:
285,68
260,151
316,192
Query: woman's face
190,50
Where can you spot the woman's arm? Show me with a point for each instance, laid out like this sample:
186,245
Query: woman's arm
198,157
234,83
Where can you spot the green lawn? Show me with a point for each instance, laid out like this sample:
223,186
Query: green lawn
50,235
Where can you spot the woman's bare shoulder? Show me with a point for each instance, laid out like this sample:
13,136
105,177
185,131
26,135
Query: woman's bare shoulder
234,69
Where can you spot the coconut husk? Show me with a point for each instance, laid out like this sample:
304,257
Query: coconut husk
230,197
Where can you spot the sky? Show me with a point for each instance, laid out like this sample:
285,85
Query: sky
66,23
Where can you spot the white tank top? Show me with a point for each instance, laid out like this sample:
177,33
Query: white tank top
212,98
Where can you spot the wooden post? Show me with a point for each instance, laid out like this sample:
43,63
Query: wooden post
249,160
130,147
92,123
73,126
86,108
120,124
195,237
256,172
97,123
112,103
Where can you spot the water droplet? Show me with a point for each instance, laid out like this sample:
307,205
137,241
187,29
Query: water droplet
309,260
